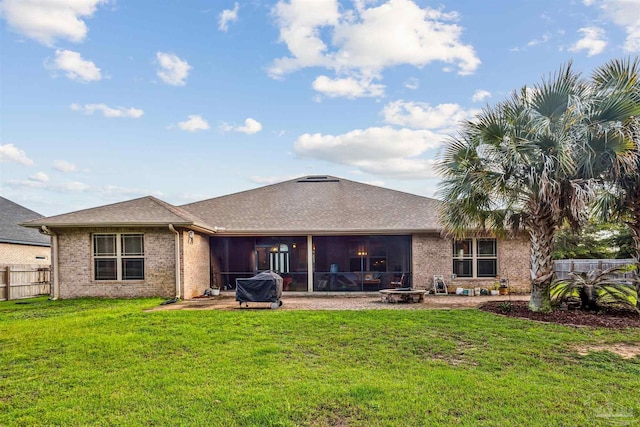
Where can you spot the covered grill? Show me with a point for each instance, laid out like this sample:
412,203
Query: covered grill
263,287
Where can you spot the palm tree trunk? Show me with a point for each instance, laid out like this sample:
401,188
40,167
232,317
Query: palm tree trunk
541,232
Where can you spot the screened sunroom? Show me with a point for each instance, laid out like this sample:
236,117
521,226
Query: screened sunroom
314,263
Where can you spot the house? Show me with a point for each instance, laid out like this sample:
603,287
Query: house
19,245
321,233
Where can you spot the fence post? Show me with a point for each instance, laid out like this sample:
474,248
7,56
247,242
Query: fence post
8,282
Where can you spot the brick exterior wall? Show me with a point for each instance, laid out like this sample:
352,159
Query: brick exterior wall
514,262
24,254
76,275
195,268
432,254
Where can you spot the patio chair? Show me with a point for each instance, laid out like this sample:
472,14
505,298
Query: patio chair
399,284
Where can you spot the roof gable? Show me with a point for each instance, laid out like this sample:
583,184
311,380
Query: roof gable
319,204
143,211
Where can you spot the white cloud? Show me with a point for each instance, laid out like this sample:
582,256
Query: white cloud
420,115
46,21
386,151
226,16
107,111
366,40
593,41
75,67
72,187
412,83
299,22
11,153
545,38
39,177
102,192
401,168
625,14
16,183
65,187
64,166
347,87
480,95
194,123
250,127
381,151
173,70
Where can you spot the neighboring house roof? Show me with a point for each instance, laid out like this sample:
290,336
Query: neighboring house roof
11,214
317,204
145,211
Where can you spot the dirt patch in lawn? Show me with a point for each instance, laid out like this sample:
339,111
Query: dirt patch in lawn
610,319
626,351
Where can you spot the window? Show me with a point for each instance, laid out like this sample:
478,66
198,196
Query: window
481,262
487,261
118,256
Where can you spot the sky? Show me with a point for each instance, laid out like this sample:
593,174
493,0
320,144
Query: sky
108,100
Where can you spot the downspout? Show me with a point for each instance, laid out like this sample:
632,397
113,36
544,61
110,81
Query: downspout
54,254
177,260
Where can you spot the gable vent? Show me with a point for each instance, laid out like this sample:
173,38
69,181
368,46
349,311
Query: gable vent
318,178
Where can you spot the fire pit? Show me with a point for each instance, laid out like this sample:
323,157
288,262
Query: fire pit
407,295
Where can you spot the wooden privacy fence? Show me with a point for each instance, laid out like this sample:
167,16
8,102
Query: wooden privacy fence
24,281
563,267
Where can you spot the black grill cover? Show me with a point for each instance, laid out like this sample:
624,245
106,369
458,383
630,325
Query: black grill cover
263,287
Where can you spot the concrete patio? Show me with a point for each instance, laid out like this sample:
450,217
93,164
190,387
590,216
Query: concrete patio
366,301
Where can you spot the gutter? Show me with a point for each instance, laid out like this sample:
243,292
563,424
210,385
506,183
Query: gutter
24,242
189,224
177,245
239,233
54,254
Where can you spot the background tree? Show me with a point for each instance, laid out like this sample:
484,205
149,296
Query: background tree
596,240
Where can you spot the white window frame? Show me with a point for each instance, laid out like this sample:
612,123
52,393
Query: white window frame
118,256
474,257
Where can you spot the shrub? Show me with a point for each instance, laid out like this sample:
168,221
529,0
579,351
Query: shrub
597,289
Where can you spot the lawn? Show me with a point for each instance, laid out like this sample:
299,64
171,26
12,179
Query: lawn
109,362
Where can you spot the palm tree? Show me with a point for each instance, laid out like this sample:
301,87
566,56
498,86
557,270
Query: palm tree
526,165
619,198
598,289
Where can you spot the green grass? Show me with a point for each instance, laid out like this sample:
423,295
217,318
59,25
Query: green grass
108,362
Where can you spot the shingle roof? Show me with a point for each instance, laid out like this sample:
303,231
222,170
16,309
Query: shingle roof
143,211
319,204
299,206
11,214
